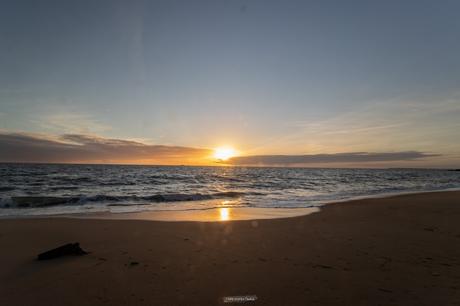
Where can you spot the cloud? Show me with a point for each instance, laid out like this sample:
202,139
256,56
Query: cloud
354,157
79,148
401,124
65,121
83,148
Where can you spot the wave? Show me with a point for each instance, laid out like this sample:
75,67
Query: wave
44,201
6,188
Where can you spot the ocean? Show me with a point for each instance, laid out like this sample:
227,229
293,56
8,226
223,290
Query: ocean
50,189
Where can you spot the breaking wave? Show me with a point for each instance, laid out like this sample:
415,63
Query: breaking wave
44,201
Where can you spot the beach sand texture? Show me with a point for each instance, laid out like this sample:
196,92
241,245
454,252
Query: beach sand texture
403,250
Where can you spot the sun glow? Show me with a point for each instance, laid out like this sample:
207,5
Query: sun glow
224,213
224,153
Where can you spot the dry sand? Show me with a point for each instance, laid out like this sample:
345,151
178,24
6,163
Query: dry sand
403,250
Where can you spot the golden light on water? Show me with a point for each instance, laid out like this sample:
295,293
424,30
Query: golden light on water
224,153
224,213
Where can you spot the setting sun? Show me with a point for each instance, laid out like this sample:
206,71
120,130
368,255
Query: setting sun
224,213
224,153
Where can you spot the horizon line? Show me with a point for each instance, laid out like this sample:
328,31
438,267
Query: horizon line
224,165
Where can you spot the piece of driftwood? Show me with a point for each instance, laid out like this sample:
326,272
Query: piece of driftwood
66,249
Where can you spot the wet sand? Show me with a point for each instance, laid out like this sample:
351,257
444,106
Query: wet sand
403,250
203,215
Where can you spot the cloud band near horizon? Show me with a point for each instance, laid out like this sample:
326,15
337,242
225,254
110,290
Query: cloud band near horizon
79,148
352,157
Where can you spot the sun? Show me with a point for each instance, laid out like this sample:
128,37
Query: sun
224,153
224,213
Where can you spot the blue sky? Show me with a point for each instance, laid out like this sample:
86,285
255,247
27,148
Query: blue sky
268,77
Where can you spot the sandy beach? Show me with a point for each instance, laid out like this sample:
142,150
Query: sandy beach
402,250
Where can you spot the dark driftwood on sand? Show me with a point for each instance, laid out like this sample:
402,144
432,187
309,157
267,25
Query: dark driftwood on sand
67,249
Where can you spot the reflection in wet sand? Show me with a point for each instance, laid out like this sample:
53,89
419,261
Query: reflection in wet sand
219,214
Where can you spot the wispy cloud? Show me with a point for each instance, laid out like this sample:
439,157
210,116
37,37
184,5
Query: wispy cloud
71,122
401,124
79,148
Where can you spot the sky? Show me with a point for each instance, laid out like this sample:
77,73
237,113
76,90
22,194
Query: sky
166,82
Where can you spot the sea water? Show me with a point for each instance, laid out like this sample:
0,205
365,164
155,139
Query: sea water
47,189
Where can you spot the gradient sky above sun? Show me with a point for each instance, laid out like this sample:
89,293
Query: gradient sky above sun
177,79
